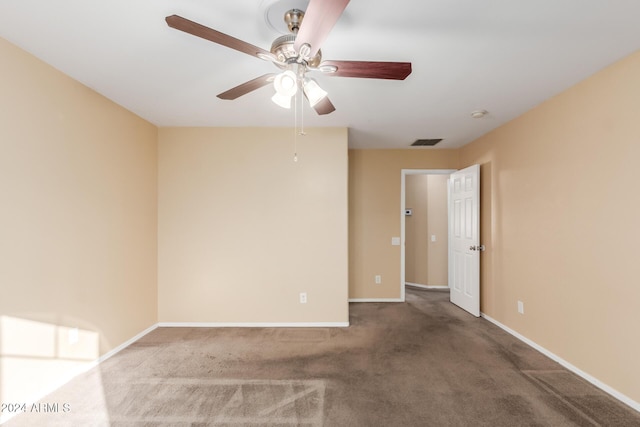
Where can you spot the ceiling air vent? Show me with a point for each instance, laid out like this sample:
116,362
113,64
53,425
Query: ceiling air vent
425,142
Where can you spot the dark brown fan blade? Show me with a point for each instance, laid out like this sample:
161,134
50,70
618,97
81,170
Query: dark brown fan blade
319,19
247,87
370,69
183,24
324,107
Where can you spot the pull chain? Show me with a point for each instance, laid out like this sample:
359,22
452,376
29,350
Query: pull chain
295,128
295,117
302,115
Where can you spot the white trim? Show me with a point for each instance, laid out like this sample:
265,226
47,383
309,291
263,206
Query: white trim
72,373
253,324
125,344
377,299
596,382
417,285
403,201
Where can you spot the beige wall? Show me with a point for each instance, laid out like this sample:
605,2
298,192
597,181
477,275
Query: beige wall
438,221
426,260
78,222
561,224
243,229
374,215
416,229
78,217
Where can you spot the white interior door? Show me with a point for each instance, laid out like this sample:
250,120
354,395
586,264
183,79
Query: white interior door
464,235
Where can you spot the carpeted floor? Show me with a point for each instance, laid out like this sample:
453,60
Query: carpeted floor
422,363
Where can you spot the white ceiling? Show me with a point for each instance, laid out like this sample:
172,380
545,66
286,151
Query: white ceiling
504,56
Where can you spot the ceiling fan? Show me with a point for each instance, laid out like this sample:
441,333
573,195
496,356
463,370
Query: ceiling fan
297,53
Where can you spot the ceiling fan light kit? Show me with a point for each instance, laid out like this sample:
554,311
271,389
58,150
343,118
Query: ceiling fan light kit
297,53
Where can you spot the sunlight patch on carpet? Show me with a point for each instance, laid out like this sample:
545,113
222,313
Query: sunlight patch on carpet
222,402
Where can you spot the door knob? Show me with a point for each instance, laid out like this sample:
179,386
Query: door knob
477,248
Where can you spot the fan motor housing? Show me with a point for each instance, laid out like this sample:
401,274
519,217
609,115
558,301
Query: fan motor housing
283,49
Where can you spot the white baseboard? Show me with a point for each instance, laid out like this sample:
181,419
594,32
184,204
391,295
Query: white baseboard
125,344
417,285
253,324
376,300
71,374
596,382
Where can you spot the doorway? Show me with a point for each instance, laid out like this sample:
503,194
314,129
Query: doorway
414,253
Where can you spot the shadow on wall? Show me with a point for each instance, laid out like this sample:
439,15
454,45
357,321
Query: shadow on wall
490,237
487,234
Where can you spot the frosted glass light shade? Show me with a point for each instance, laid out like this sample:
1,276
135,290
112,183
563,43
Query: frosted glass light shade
313,92
282,100
286,83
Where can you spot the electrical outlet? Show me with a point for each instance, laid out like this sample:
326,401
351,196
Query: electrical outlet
378,279
520,307
303,297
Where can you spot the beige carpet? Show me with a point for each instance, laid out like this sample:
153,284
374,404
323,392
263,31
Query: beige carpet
422,363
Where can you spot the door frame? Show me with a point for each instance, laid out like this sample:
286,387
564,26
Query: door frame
403,198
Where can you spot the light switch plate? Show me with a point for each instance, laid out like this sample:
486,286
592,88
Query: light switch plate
395,241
